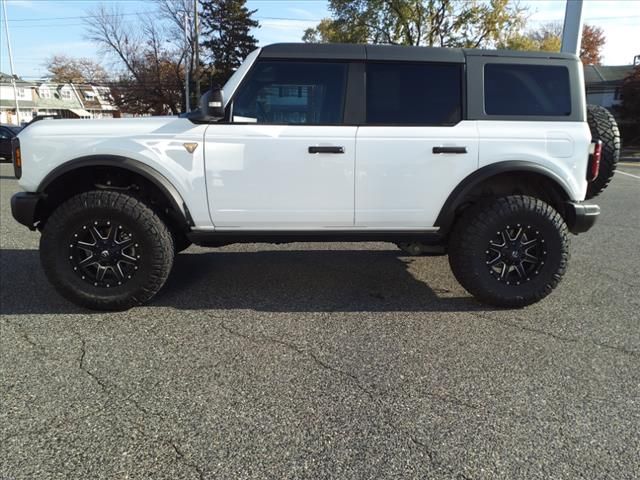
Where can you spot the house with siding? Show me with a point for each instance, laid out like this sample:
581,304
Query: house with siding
604,84
66,100
26,102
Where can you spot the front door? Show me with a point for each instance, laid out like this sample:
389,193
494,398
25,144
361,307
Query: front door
284,161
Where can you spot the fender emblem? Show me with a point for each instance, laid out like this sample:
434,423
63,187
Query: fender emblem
191,147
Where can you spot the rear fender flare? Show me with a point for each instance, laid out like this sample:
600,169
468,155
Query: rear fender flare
447,214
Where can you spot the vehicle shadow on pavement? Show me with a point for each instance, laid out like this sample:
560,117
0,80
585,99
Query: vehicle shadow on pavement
309,281
273,281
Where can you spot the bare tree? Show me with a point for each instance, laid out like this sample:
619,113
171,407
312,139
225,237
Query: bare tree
149,58
63,68
180,15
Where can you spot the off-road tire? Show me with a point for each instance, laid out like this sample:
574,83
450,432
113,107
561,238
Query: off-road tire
469,250
603,127
154,250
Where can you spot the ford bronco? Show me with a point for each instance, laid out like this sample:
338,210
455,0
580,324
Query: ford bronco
486,156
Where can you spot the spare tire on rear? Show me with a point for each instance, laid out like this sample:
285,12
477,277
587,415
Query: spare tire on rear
604,128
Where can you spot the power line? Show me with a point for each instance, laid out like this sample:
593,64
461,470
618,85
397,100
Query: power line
83,17
77,17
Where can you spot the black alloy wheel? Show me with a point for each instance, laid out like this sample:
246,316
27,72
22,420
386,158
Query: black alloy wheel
509,251
106,250
516,254
104,254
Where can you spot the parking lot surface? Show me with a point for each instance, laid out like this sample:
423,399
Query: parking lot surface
326,361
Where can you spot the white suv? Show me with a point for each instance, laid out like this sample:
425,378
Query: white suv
484,155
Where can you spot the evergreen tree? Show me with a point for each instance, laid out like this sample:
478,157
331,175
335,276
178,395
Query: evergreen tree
226,27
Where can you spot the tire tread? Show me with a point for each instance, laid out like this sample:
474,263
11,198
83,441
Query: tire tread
603,127
136,210
472,225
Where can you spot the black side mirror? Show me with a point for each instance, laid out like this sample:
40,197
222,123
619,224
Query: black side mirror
212,105
211,108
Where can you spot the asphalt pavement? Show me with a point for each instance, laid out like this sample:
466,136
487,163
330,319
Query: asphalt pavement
311,361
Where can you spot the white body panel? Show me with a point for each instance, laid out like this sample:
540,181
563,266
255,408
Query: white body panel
263,177
400,182
154,141
561,147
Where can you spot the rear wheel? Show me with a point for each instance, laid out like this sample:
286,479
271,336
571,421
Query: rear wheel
603,127
106,250
511,251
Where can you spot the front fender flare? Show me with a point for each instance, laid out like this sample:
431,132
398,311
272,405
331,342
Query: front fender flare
149,173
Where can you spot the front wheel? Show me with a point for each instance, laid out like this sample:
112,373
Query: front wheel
511,251
106,250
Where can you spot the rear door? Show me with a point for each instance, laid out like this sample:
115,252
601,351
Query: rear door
414,147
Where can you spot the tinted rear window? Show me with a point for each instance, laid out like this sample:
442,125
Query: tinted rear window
414,93
526,90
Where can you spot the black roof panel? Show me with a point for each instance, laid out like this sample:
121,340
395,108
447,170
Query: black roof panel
350,51
476,52
414,54
315,51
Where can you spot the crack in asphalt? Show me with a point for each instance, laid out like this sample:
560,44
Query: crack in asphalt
356,382
184,460
83,367
113,392
145,411
560,338
24,335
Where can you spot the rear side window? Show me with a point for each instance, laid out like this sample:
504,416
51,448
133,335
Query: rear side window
293,93
526,90
414,94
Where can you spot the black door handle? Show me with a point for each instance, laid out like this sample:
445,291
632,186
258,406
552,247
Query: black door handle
326,149
449,150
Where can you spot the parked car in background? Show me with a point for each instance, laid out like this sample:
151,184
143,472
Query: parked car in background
7,132
46,116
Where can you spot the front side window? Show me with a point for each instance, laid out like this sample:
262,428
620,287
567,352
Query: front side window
296,93
414,93
526,90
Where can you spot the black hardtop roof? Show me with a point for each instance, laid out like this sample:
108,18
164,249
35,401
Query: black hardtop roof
347,51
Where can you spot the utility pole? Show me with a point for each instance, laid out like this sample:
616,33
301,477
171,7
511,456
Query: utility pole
196,27
13,73
187,65
572,29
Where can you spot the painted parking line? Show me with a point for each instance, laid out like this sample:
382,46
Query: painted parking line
628,174
629,164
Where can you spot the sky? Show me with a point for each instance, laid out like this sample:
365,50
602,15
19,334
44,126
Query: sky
42,28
